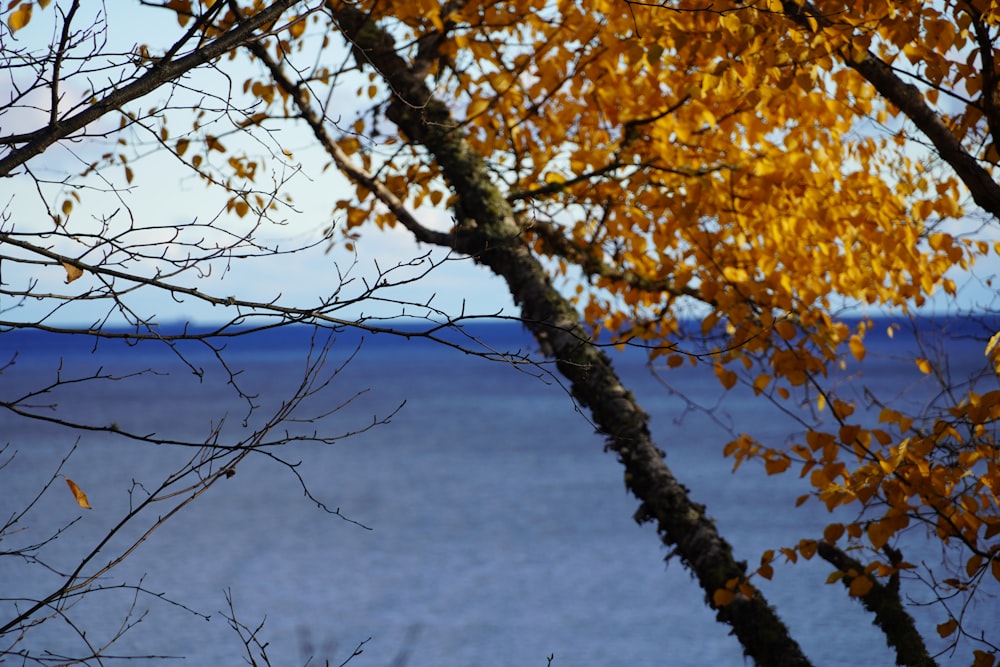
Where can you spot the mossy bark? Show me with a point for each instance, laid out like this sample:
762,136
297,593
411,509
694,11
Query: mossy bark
883,601
487,230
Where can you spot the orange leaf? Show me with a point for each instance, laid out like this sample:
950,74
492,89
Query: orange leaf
983,659
721,597
947,627
785,329
833,532
777,465
973,564
879,533
726,377
860,586
81,497
72,272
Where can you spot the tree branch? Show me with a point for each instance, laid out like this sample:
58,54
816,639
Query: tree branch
161,72
489,232
883,601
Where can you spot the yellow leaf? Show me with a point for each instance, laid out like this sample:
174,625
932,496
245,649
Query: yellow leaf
72,273
992,345
181,146
81,497
298,27
924,366
19,17
477,107
761,382
857,347
731,22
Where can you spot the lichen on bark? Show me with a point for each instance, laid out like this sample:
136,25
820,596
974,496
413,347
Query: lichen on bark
487,230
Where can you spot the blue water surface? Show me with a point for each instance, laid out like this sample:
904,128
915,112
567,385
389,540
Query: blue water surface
494,528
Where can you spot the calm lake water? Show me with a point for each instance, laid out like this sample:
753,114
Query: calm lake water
496,530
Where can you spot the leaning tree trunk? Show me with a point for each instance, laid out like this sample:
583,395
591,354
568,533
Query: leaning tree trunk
488,231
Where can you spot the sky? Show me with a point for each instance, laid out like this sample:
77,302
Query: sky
163,194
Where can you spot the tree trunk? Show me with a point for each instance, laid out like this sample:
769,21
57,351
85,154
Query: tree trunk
487,230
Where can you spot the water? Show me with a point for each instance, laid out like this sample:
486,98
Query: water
496,532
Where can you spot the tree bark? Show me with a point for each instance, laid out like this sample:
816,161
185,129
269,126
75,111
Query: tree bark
487,230
883,601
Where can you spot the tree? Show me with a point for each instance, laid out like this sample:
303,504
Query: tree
623,166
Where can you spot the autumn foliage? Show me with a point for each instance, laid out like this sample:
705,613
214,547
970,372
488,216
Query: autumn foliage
756,165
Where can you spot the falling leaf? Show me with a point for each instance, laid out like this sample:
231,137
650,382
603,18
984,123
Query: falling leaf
72,272
81,497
